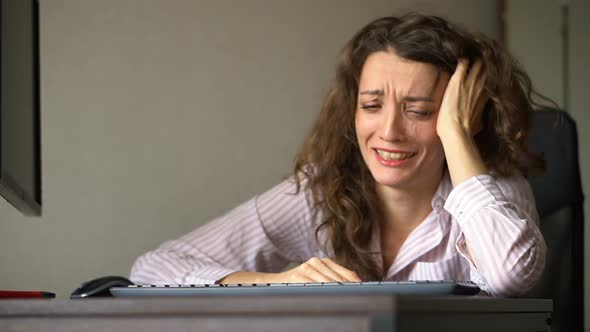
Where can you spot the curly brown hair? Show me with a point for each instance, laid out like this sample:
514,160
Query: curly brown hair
342,190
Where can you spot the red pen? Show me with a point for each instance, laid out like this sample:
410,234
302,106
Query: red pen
8,294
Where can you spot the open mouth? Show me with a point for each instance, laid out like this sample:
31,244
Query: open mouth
395,156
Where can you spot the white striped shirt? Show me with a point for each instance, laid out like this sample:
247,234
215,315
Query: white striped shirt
484,230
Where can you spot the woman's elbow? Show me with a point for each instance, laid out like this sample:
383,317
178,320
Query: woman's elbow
522,275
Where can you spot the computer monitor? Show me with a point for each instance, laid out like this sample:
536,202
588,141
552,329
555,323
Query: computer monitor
20,132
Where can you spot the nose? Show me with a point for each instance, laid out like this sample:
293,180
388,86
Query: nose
393,124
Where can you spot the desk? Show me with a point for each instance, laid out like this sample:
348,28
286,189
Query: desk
278,313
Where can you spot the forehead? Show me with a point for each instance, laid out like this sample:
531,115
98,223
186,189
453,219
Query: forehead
386,70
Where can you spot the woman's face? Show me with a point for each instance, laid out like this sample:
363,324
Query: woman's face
395,120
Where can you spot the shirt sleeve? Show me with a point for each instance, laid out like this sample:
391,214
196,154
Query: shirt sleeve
500,234
263,234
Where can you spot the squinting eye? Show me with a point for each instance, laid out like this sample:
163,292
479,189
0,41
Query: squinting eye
419,113
371,107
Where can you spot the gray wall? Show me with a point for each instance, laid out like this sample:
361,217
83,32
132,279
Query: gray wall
534,37
160,115
540,55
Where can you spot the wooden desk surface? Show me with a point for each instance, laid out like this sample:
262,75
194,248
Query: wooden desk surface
277,313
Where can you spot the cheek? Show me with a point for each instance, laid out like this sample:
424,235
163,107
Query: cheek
362,126
358,128
430,140
436,150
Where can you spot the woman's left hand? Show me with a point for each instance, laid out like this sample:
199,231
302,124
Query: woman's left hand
464,100
460,118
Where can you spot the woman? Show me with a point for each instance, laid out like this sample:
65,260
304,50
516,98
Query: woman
413,170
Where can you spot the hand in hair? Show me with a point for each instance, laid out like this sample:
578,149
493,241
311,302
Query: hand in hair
464,100
459,119
314,270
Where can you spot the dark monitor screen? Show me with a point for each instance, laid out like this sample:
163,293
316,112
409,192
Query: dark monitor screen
20,155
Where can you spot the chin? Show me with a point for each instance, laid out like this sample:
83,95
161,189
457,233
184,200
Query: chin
392,180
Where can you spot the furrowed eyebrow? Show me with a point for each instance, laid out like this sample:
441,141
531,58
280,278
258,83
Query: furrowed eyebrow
376,92
418,98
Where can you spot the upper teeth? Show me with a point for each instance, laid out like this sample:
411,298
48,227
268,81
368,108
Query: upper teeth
393,155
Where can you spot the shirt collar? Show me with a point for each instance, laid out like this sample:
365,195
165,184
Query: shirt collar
442,192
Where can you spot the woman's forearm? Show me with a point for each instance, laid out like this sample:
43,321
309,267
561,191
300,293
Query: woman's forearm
463,158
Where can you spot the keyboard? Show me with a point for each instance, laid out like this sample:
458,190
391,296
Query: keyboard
412,287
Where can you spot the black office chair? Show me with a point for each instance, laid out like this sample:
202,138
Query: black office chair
559,199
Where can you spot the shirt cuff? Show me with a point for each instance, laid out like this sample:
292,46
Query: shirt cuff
472,195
